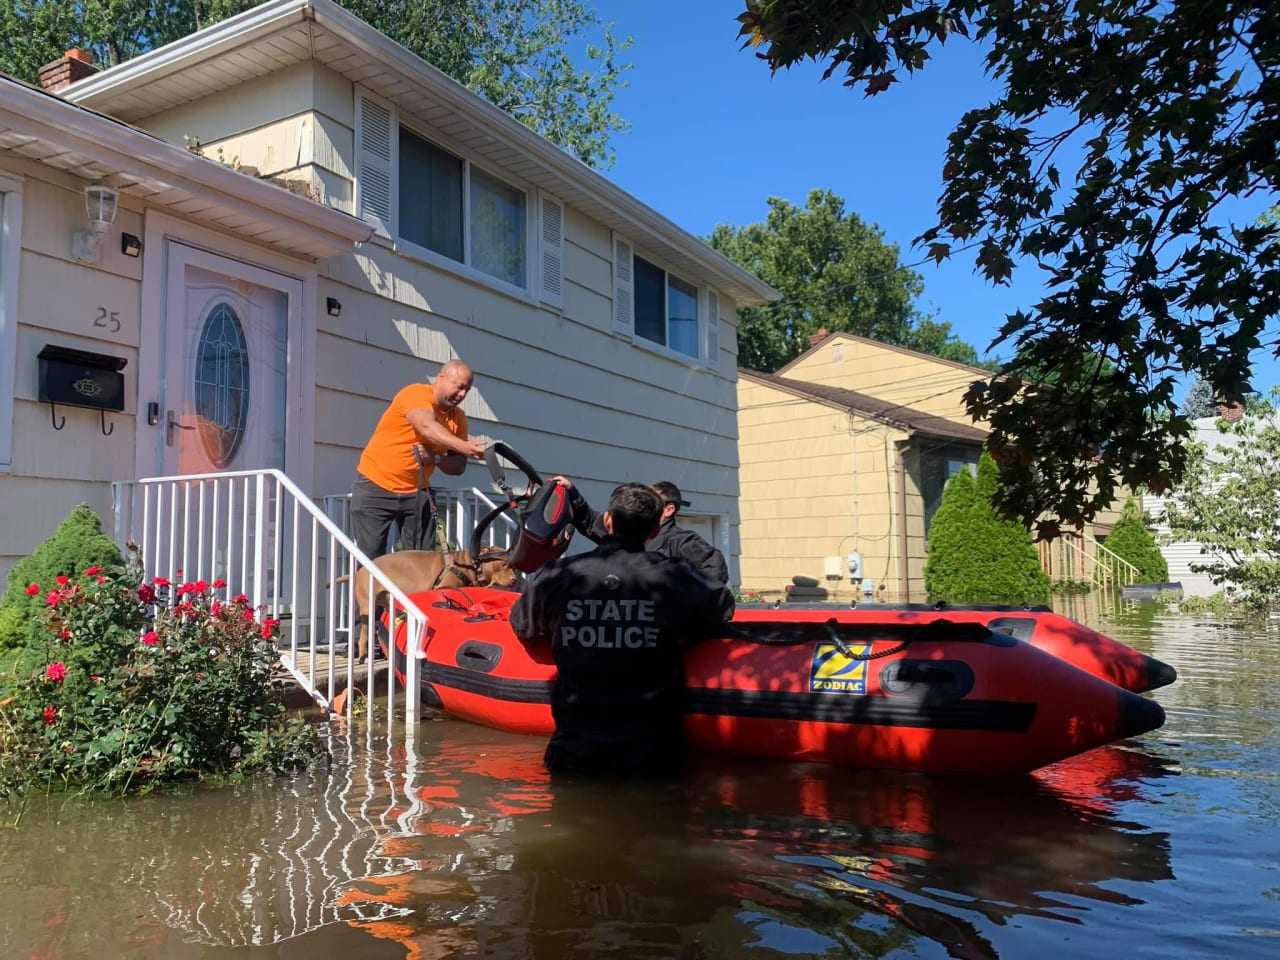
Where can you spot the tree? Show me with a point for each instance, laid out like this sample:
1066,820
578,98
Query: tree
835,272
1199,401
1228,502
975,555
514,53
1132,541
1118,134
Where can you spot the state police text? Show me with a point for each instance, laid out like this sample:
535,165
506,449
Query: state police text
614,624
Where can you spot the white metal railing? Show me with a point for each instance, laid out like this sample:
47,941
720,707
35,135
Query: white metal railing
460,510
255,530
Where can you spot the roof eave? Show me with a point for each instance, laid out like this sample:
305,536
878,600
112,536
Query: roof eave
747,290
134,153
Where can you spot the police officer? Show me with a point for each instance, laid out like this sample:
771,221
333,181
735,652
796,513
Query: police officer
670,540
617,619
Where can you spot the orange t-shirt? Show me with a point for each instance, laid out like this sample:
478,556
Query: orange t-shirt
388,456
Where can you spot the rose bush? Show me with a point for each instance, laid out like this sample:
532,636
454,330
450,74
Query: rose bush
130,685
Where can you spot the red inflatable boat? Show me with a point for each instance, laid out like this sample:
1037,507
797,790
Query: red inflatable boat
944,691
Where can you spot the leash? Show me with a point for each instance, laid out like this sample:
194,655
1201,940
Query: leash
424,492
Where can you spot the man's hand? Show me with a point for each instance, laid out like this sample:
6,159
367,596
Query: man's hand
563,481
474,449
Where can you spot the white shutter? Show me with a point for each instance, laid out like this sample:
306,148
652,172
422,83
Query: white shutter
623,287
377,138
552,211
711,331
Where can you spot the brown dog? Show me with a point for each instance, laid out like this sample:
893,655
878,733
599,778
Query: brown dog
416,570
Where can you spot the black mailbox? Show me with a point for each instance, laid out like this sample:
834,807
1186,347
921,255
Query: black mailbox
78,378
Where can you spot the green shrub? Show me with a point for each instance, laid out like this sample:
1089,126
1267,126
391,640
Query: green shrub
108,700
975,556
1132,541
76,545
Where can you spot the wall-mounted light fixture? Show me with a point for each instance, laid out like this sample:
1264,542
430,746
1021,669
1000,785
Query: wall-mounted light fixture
100,205
333,306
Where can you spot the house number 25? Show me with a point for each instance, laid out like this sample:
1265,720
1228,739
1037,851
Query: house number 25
107,319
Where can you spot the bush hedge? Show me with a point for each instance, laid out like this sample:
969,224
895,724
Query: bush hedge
1131,540
975,556
76,545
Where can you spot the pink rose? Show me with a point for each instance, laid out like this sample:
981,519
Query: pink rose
150,638
56,671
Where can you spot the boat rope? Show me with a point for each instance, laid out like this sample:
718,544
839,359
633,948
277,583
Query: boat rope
845,650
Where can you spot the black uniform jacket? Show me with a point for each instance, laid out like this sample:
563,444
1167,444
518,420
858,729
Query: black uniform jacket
617,621
671,540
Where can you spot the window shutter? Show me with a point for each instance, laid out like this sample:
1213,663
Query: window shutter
552,251
377,136
623,287
711,331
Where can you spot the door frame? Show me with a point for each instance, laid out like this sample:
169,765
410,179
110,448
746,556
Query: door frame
212,250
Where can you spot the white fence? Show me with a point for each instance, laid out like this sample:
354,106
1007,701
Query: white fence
296,561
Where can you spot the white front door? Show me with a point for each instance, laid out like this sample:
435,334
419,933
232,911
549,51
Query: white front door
229,332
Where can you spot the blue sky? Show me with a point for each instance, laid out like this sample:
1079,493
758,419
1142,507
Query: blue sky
714,134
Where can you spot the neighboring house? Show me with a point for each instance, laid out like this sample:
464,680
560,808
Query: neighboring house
845,452
1180,555
263,326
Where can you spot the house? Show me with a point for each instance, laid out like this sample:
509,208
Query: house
304,217
1180,555
845,452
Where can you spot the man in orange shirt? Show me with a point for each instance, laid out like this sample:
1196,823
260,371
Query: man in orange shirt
389,477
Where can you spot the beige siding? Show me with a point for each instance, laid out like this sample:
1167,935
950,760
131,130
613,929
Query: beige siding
561,388
894,375
58,303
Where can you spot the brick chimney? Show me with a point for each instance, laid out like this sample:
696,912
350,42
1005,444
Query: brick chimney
1230,410
75,65
815,338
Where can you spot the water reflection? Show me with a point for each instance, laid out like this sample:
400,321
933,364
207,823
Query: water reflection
464,847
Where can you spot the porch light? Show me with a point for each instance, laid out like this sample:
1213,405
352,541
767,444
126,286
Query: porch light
100,206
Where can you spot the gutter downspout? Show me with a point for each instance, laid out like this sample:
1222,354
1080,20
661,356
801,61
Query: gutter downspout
904,578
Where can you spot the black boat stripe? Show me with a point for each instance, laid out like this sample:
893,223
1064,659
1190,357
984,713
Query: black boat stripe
995,715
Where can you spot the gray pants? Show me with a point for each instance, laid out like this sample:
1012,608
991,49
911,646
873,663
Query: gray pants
374,510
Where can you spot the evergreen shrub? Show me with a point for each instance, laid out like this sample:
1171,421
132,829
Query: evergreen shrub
976,556
76,545
1132,541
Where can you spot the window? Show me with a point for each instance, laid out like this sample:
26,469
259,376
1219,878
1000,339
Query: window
666,308
433,185
430,196
222,385
497,228
936,468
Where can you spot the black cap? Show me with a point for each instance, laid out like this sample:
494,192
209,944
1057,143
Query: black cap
669,493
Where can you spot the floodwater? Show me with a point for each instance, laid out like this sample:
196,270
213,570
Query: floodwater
1166,846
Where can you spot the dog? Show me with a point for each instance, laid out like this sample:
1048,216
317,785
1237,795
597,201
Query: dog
416,570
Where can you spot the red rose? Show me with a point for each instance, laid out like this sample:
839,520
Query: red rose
150,638
146,593
65,634
50,716
248,616
56,671
62,579
219,584
240,598
269,627
201,586
101,578
185,608
53,598
33,589
215,608
160,581
93,570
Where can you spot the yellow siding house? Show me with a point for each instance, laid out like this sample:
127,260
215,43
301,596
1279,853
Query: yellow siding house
844,453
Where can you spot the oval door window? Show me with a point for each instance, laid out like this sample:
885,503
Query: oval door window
222,384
